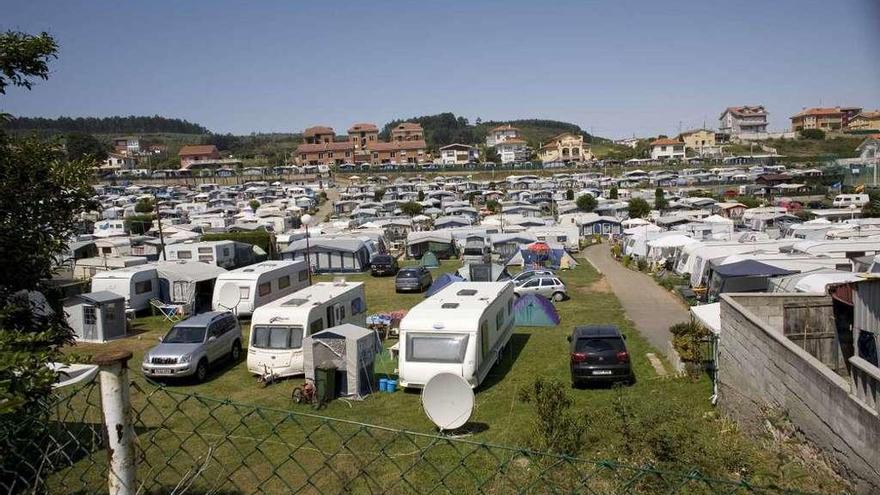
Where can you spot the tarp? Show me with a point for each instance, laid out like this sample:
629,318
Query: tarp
441,282
709,315
534,310
750,268
429,260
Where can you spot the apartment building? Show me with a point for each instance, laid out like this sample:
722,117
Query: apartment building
192,155
509,144
362,145
824,118
743,120
865,121
407,131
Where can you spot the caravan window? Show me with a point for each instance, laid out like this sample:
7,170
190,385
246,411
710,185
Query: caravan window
284,282
499,319
264,289
357,306
277,337
206,259
143,287
431,348
184,255
316,326
244,293
303,275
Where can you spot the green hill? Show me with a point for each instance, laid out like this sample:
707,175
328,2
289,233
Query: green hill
105,125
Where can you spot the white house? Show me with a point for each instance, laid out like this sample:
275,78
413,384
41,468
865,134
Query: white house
500,134
667,149
458,154
513,150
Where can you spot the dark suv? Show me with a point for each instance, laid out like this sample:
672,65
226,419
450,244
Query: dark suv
383,264
416,279
599,355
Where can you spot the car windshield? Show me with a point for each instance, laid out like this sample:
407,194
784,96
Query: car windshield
599,345
382,259
185,335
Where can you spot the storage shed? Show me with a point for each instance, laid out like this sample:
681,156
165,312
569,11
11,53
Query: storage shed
96,316
352,350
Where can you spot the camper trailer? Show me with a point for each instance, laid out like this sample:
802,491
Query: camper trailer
850,200
220,253
137,284
278,328
461,329
260,284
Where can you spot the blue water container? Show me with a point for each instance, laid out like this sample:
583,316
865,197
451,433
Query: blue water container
390,385
383,384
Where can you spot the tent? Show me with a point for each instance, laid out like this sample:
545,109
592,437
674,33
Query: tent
743,276
556,258
352,350
187,282
484,272
429,260
534,310
441,282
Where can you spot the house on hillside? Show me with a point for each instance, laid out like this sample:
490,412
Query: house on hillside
566,147
191,155
743,120
702,141
825,119
667,149
408,131
458,154
865,121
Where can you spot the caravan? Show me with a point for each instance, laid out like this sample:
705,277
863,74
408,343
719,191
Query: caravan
461,329
137,284
260,284
278,328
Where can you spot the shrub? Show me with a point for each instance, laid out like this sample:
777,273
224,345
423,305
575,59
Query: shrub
642,264
626,260
616,250
586,203
816,134
556,428
687,339
139,224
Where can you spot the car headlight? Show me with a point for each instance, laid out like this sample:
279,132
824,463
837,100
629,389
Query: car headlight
185,358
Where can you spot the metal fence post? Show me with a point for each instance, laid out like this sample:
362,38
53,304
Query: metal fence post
118,428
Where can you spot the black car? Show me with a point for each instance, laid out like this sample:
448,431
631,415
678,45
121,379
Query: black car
383,264
416,279
599,355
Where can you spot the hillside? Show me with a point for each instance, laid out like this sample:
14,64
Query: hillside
105,125
819,149
446,128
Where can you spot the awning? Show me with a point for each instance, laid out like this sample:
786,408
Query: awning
709,315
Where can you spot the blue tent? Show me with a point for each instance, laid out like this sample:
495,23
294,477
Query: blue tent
533,310
429,260
441,282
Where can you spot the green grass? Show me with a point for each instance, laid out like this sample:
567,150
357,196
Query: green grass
673,408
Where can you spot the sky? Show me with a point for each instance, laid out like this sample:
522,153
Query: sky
617,68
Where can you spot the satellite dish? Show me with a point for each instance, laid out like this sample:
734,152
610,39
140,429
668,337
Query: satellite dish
448,401
229,296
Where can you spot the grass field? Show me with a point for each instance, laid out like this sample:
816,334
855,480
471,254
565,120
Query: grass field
663,421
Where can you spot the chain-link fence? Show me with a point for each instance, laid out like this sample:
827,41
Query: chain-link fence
188,443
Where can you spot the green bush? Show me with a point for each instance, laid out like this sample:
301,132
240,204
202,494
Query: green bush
626,260
642,264
814,134
688,340
556,428
139,224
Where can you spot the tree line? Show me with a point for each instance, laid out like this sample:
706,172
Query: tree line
105,125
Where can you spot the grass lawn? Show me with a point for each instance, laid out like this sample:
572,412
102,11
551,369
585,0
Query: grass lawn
674,410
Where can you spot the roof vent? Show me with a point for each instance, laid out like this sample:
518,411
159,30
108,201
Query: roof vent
467,292
451,305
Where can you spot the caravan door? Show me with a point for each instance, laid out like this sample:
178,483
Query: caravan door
180,291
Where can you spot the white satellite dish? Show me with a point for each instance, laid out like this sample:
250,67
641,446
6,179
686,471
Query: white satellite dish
229,296
448,401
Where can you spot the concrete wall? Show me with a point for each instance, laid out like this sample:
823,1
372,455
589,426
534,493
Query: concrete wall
760,368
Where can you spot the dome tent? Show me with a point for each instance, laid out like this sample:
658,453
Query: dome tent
429,260
441,282
534,310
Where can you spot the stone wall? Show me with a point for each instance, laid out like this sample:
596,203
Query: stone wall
759,368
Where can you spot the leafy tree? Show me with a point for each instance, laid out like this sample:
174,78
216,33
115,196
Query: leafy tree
813,134
421,196
638,208
85,146
139,224
493,205
660,202
490,155
612,194
254,204
106,125
378,194
569,194
748,201
411,208
872,207
25,57
586,203
145,205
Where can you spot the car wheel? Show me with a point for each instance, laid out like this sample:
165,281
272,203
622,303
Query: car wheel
558,296
236,351
202,370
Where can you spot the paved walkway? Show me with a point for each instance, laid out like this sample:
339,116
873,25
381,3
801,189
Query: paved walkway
651,307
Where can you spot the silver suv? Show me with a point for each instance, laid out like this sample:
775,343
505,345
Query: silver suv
547,286
194,344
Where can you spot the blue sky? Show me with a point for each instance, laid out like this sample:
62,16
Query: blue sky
618,67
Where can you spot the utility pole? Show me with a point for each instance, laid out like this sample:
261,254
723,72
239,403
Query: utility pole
159,221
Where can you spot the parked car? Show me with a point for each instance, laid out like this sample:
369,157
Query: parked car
598,354
416,279
383,264
523,276
193,345
547,286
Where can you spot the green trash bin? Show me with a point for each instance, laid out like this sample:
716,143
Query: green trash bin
325,382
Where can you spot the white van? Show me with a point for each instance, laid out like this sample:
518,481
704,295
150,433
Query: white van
461,329
261,284
278,328
845,200
137,284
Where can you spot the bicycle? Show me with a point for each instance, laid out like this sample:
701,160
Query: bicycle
307,394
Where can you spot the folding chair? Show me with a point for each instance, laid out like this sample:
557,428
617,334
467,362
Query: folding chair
169,311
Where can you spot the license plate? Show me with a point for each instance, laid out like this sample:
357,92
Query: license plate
162,371
601,372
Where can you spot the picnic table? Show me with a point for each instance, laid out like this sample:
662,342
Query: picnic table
386,323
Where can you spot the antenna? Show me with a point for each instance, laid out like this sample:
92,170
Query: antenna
448,401
229,296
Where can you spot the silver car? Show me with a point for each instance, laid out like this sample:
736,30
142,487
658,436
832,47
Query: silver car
193,345
523,276
547,286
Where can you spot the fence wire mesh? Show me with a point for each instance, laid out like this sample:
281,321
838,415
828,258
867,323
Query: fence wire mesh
188,443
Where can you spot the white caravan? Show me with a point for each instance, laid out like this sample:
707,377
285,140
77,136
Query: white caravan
220,253
850,200
137,284
278,328
461,329
259,284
